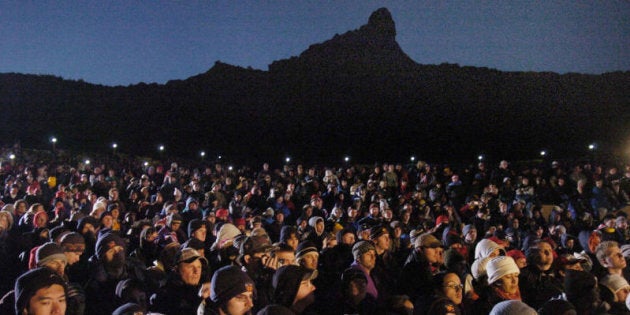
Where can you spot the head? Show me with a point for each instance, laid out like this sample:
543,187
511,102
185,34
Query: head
503,274
450,286
430,247
189,266
232,290
364,254
609,255
293,284
541,255
307,255
40,291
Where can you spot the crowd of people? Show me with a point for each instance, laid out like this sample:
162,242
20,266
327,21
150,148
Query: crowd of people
305,239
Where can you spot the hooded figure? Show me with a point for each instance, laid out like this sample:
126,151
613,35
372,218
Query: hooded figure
293,288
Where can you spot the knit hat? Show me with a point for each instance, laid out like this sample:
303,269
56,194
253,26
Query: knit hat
361,247
305,248
377,231
516,254
501,266
49,252
194,225
188,255
427,240
222,213
478,268
28,283
286,282
614,282
227,233
485,247
72,242
228,282
103,243
511,307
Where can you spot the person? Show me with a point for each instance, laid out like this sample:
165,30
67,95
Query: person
538,282
231,292
426,260
511,307
503,284
581,290
293,290
256,261
447,297
364,255
180,295
614,290
40,291
353,297
307,255
609,256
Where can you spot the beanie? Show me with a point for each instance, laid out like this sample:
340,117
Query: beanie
515,254
501,266
485,247
614,282
28,283
49,252
228,282
478,268
286,232
102,244
72,241
361,247
510,307
305,248
286,282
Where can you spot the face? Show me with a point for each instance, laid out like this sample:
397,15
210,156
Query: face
348,238
368,259
46,301
200,233
285,258
508,283
310,261
175,226
42,220
615,259
452,288
546,255
433,254
319,227
107,221
4,223
58,266
73,256
306,288
293,241
240,304
190,272
382,242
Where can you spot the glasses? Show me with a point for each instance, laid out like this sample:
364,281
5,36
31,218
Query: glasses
456,287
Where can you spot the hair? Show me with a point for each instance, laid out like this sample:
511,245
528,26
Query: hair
603,250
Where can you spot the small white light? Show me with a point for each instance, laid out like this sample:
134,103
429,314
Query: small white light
230,168
53,140
543,153
480,157
87,162
114,145
203,153
12,156
413,158
146,163
161,148
347,158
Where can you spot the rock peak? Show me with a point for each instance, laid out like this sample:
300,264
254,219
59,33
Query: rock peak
381,22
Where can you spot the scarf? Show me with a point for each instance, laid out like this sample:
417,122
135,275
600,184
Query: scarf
508,296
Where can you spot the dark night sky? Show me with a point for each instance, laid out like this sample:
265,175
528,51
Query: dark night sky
126,42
